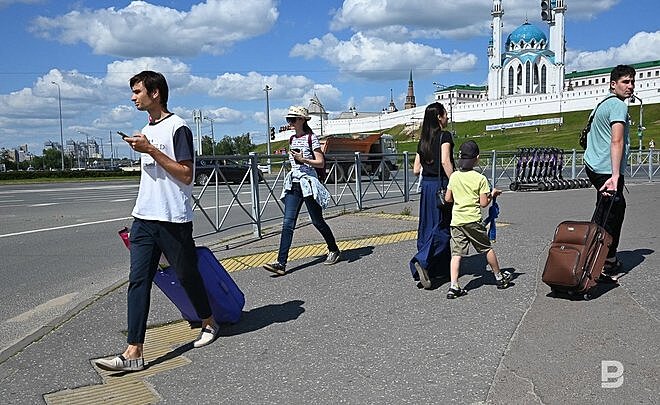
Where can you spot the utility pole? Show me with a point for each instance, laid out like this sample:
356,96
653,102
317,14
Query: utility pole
59,98
267,88
112,153
640,125
212,135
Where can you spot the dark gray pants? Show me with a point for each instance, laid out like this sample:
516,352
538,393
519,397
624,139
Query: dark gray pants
614,221
148,240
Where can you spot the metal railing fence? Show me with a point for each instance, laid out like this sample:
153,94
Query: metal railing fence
354,181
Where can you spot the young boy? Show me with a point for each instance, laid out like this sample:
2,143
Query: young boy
469,191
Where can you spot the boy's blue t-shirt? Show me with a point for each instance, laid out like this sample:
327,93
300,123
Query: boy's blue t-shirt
598,152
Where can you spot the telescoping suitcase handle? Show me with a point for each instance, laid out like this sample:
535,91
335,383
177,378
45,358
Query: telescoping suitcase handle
600,220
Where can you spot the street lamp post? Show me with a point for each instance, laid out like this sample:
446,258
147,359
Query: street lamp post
112,153
451,107
640,126
59,98
212,135
267,88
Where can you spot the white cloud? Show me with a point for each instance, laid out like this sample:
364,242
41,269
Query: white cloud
406,17
7,3
370,57
143,29
224,115
642,47
402,20
119,73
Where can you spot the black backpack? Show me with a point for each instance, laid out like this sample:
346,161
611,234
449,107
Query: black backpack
320,171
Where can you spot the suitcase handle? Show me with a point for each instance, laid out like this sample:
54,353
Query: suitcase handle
595,217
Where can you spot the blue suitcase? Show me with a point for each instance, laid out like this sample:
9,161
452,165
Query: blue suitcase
225,298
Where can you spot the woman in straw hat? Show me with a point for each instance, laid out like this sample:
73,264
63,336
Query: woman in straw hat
302,185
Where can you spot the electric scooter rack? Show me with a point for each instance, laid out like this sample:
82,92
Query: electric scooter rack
540,169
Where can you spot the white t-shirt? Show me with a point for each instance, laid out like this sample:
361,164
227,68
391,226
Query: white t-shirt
302,142
161,196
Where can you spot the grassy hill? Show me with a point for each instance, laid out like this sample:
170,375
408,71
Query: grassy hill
565,137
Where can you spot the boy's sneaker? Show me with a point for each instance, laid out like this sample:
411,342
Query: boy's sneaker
120,363
333,257
504,281
276,268
455,293
207,335
423,276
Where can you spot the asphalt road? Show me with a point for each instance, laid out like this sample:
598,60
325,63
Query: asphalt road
60,247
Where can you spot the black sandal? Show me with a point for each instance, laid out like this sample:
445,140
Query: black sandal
606,279
612,268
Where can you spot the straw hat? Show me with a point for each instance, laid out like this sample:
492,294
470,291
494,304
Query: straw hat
296,111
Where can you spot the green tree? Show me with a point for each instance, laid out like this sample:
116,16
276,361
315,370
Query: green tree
53,159
207,145
243,144
38,163
225,146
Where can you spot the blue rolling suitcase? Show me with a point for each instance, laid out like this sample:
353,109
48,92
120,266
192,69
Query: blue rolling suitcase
225,298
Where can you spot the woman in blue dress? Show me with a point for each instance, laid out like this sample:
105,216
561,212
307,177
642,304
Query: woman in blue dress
435,162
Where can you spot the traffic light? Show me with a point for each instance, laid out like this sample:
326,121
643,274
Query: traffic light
546,10
272,133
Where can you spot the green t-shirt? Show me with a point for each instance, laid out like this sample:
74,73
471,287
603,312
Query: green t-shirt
466,187
598,155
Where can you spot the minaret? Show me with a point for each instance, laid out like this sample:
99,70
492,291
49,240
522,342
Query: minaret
410,98
495,53
558,43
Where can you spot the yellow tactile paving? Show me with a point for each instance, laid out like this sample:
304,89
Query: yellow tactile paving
131,388
300,252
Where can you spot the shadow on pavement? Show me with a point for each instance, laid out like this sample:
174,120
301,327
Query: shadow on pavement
302,266
167,356
349,255
632,259
352,255
261,317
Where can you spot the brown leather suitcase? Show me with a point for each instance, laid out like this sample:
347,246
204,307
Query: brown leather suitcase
576,256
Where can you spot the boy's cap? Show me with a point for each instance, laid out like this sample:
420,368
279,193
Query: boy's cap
468,155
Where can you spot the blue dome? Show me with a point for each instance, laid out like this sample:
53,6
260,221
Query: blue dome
526,33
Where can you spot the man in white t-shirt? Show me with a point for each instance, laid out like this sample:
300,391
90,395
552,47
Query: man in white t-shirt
162,218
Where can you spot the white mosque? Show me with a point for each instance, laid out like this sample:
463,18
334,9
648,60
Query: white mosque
526,76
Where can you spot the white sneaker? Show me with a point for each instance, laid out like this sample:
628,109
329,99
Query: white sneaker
333,257
207,335
120,363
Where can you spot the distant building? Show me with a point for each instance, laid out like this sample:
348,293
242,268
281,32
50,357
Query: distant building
410,97
52,145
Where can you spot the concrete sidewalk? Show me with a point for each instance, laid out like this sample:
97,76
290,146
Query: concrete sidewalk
362,332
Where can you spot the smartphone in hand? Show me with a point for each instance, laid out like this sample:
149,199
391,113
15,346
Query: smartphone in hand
123,135
295,150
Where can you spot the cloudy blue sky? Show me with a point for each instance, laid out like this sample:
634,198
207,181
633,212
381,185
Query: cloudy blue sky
219,54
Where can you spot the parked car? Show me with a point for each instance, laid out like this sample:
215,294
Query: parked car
227,172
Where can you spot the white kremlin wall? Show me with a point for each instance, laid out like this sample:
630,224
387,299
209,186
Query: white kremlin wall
582,99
